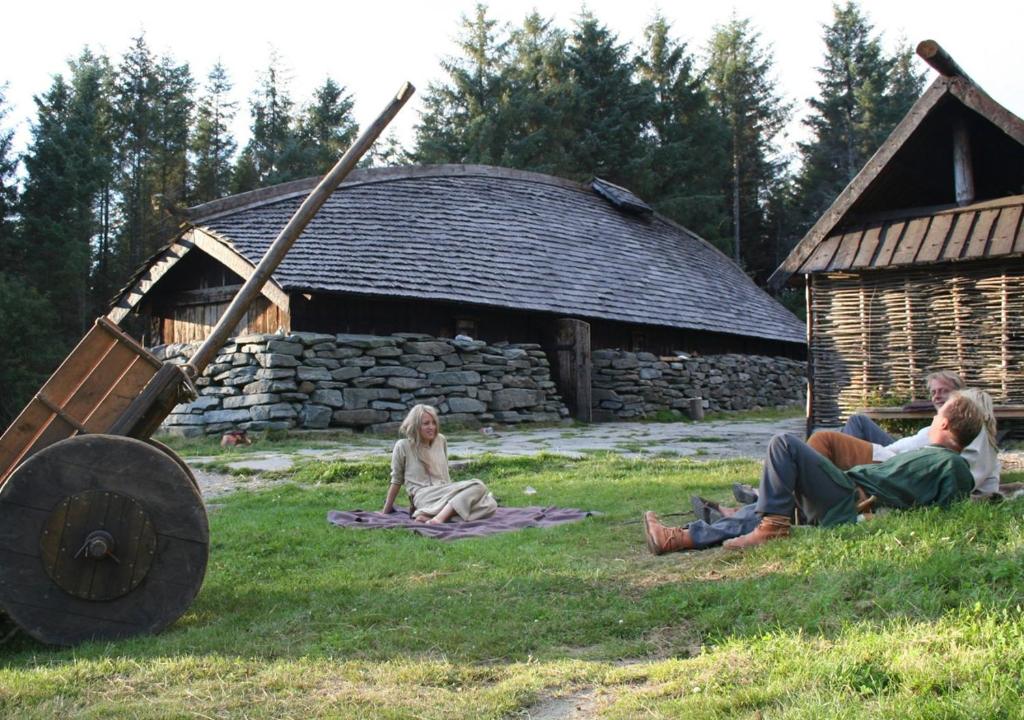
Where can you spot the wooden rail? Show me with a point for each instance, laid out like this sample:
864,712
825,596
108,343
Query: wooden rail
1002,412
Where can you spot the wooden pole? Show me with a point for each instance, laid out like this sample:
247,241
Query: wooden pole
287,237
933,54
963,169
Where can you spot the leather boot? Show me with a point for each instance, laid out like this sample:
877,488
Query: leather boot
662,539
771,528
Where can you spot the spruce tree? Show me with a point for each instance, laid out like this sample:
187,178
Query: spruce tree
686,166
608,110
862,94
744,93
535,81
8,187
462,122
325,130
212,144
67,175
270,156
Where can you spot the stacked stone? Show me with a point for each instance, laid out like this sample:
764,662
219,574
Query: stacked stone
636,385
312,380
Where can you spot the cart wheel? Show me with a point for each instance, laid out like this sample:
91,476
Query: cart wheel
177,458
101,536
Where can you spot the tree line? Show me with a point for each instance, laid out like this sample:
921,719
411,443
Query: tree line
116,144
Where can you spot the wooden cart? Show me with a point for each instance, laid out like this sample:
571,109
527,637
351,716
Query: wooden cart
103,532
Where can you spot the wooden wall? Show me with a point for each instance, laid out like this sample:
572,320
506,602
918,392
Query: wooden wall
189,323
879,333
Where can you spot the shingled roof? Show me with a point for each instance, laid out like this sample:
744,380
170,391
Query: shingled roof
901,208
498,237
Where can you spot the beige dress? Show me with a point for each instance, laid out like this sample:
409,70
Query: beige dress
431,489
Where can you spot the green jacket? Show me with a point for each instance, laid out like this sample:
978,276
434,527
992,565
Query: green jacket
932,475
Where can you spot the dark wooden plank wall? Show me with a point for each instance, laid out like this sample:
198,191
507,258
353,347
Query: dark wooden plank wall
191,323
881,332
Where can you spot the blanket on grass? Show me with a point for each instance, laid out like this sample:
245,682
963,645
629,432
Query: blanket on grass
505,519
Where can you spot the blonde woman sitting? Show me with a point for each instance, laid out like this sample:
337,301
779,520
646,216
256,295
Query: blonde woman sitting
420,463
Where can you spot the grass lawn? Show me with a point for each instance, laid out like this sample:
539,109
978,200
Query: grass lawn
913,615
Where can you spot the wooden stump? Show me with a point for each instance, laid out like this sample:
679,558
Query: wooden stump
101,537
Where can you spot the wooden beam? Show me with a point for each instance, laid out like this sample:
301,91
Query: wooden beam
572,344
238,264
133,295
933,54
963,168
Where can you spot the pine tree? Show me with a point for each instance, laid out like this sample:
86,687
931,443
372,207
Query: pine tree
686,164
169,166
462,122
744,93
326,130
212,144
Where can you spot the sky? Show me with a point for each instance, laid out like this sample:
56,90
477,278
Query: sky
371,48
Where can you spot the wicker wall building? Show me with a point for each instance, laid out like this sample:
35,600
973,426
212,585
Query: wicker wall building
917,264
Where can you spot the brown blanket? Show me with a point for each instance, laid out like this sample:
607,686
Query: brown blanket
505,519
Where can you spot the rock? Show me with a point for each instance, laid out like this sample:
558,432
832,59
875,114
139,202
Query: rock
407,383
269,386
386,351
226,416
305,372
185,419
329,363
428,347
330,398
271,360
465,405
468,345
360,417
455,377
362,361
309,338
391,371
388,405
274,373
356,398
364,342
277,411
315,417
514,353
199,405
346,373
431,367
284,347
244,401
510,398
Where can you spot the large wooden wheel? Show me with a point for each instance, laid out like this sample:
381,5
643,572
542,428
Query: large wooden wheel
101,536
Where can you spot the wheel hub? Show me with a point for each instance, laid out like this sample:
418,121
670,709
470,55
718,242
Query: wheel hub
98,544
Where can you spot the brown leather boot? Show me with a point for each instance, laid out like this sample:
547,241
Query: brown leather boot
662,539
771,528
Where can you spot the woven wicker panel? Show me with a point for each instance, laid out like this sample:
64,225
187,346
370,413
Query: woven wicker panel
881,332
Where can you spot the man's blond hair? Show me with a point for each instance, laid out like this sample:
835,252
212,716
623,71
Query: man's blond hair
965,416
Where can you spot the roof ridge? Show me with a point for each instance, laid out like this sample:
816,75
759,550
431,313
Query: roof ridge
366,176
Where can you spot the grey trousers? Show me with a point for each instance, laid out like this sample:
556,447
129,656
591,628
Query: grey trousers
863,427
705,535
794,473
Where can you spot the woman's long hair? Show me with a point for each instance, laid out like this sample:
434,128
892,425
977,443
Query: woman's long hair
984,402
410,428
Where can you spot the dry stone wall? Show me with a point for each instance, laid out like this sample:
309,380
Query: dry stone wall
311,380
629,385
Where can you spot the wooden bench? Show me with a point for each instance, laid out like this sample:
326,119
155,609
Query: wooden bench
1002,412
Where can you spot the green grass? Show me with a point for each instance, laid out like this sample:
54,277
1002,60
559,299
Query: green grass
912,615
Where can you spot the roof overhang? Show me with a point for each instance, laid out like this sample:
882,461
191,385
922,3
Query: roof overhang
959,87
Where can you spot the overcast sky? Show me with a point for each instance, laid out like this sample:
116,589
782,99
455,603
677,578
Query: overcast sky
372,47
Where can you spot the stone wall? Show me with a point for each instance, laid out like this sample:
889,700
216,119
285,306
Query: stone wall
634,385
308,380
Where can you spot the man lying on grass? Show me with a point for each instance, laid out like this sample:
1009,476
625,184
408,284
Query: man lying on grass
794,474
